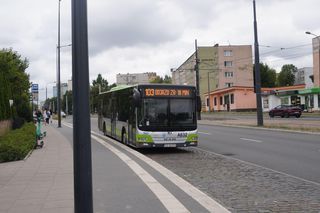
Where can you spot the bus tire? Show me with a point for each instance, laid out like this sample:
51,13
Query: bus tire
124,137
104,129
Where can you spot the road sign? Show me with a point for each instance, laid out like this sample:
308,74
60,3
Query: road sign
35,88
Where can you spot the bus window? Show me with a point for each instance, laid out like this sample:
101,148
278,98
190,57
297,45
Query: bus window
154,112
181,112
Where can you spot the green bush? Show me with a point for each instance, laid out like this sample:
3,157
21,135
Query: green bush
16,144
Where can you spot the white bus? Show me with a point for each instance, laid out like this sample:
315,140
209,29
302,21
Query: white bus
150,115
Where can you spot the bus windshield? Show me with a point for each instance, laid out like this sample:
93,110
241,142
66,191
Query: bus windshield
167,114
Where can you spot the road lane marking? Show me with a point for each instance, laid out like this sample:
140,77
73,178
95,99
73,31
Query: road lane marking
205,133
253,164
203,199
169,201
252,140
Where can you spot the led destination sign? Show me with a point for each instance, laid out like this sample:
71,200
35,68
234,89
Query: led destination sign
167,92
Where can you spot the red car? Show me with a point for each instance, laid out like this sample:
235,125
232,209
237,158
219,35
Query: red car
285,111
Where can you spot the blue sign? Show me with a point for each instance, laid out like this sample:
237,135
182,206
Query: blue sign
34,88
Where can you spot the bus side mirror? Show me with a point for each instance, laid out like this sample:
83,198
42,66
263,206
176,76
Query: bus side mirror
198,104
136,98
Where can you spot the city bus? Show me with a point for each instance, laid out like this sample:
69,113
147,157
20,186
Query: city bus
150,115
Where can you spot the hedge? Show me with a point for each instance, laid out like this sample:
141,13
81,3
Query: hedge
16,144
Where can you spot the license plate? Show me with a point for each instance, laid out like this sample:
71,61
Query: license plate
170,145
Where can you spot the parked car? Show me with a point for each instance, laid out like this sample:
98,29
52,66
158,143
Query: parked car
63,114
285,111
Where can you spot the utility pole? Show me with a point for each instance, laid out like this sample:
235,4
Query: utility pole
209,91
82,162
257,69
196,67
58,72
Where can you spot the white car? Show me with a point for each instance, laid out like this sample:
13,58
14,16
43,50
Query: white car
63,114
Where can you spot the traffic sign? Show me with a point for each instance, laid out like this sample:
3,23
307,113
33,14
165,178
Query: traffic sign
35,88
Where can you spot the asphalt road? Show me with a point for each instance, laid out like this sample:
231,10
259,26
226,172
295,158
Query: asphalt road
295,154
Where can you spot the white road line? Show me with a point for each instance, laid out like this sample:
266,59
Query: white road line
204,200
205,133
253,164
252,140
170,202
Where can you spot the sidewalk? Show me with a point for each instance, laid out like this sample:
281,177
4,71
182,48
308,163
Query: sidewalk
295,124
41,183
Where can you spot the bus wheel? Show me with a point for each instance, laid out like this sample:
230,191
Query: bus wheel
124,137
104,129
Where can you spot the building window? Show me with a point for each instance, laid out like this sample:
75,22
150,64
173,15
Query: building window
228,53
228,74
207,101
228,63
221,100
232,98
228,84
215,101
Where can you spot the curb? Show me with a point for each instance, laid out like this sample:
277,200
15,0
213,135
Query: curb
28,155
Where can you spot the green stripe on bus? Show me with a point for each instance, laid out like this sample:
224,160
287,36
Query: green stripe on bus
144,138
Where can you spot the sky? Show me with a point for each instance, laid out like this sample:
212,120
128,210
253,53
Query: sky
136,36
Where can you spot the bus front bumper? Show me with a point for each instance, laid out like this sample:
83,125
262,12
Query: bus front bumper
165,145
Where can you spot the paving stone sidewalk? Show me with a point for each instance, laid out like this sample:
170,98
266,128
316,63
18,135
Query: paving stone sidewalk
41,183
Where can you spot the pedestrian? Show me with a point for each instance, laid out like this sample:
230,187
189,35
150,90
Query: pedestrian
47,116
39,115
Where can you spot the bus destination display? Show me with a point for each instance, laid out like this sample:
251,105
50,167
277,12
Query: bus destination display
154,92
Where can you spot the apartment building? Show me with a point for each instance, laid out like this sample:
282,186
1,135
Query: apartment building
135,78
219,67
303,76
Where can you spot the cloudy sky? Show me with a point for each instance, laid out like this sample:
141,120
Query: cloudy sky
134,36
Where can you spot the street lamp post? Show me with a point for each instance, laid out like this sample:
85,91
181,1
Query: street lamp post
257,69
58,71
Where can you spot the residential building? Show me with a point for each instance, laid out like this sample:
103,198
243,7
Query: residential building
135,78
302,76
219,67
63,90
69,85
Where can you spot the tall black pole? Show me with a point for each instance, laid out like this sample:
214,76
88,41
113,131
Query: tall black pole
257,70
196,67
81,119
58,70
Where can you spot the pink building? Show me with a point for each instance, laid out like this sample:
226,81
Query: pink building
241,98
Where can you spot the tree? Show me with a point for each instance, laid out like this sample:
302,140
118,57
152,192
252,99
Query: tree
15,85
166,80
268,76
94,91
286,76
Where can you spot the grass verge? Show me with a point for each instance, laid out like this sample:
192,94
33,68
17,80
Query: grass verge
16,144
